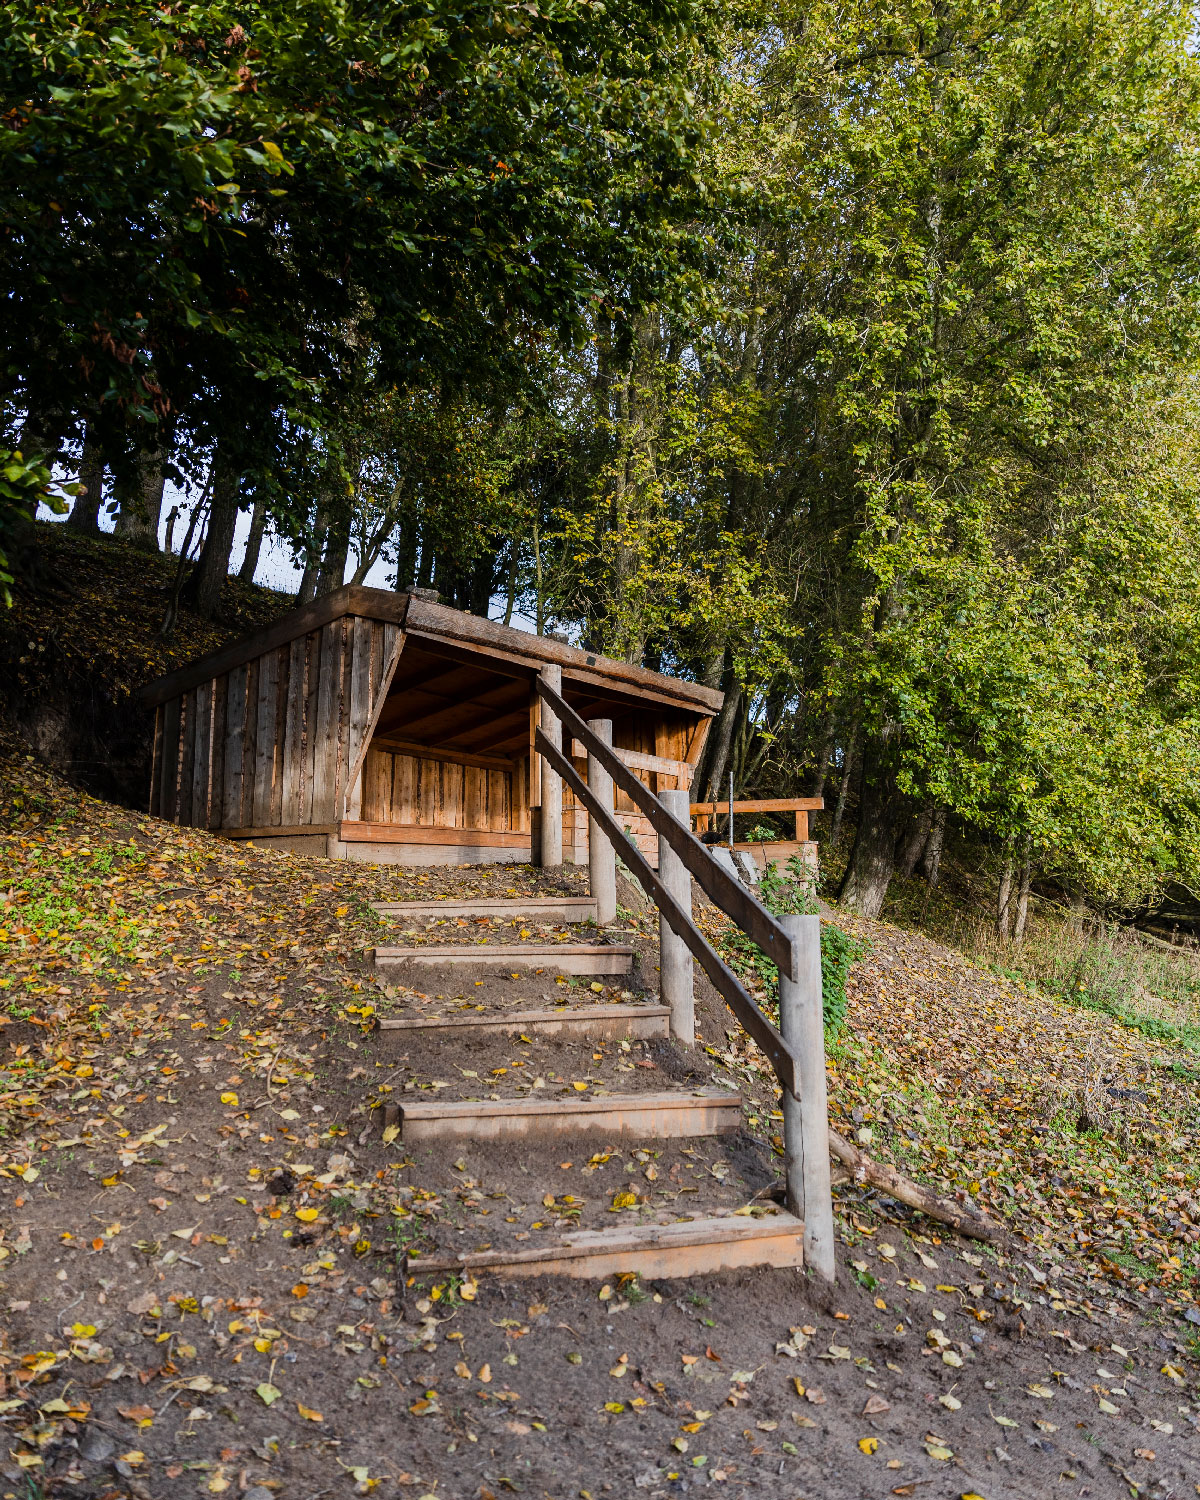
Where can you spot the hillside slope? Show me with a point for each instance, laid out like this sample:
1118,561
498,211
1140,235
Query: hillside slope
204,1233
83,636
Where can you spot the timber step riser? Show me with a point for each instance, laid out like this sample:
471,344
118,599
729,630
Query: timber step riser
602,1022
565,909
647,1116
700,1248
589,960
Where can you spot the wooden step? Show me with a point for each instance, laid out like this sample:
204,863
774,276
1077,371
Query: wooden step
650,1116
564,958
694,1248
533,908
600,1021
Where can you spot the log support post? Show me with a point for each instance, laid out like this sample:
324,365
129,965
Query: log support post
602,857
550,853
806,1119
675,959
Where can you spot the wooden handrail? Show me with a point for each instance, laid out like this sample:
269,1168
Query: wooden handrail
784,1061
766,804
638,760
721,887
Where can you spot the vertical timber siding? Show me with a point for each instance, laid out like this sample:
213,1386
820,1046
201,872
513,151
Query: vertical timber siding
276,742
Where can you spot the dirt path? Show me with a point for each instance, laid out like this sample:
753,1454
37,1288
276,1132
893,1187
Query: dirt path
202,1278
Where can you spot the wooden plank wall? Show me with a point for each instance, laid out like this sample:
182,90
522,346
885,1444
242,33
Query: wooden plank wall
445,791
271,744
667,735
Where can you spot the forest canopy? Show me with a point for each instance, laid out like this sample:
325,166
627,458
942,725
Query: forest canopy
843,357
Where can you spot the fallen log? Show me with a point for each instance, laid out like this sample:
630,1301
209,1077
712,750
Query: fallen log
864,1169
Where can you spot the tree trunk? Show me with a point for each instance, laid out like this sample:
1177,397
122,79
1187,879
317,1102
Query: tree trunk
258,527
337,550
931,857
85,513
913,843
873,857
721,739
1004,898
212,566
848,759
312,557
1023,896
42,434
140,495
822,772
406,559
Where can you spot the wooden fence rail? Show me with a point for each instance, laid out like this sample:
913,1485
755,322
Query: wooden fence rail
724,980
796,1051
721,887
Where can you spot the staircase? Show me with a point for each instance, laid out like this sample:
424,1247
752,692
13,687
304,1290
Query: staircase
545,1094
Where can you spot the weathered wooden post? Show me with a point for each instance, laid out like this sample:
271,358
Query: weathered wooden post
550,854
675,959
806,1120
602,857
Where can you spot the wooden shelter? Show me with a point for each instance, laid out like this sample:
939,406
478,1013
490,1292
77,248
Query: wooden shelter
387,727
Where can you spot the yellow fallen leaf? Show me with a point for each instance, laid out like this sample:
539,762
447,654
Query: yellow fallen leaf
308,1414
935,1450
229,1097
485,1374
1044,1391
306,1215
868,1445
951,1403
579,1086
390,1132
267,1393
614,1406
1108,1408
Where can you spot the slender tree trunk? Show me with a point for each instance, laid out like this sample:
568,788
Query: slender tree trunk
873,857
839,811
212,566
931,856
258,527
539,596
721,736
513,562
1004,890
1023,895
823,759
85,513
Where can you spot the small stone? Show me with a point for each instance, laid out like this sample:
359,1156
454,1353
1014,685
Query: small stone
96,1447
258,1492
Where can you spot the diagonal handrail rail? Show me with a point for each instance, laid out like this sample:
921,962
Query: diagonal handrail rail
784,1061
729,894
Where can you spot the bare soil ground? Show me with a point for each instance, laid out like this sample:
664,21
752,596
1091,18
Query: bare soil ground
203,1280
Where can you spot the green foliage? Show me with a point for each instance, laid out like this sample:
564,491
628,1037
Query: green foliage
781,894
25,483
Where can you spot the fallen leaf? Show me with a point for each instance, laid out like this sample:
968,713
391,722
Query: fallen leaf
868,1445
308,1413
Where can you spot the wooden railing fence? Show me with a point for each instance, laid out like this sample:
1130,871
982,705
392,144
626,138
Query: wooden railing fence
796,1049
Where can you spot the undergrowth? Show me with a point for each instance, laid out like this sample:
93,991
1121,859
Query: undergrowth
792,893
